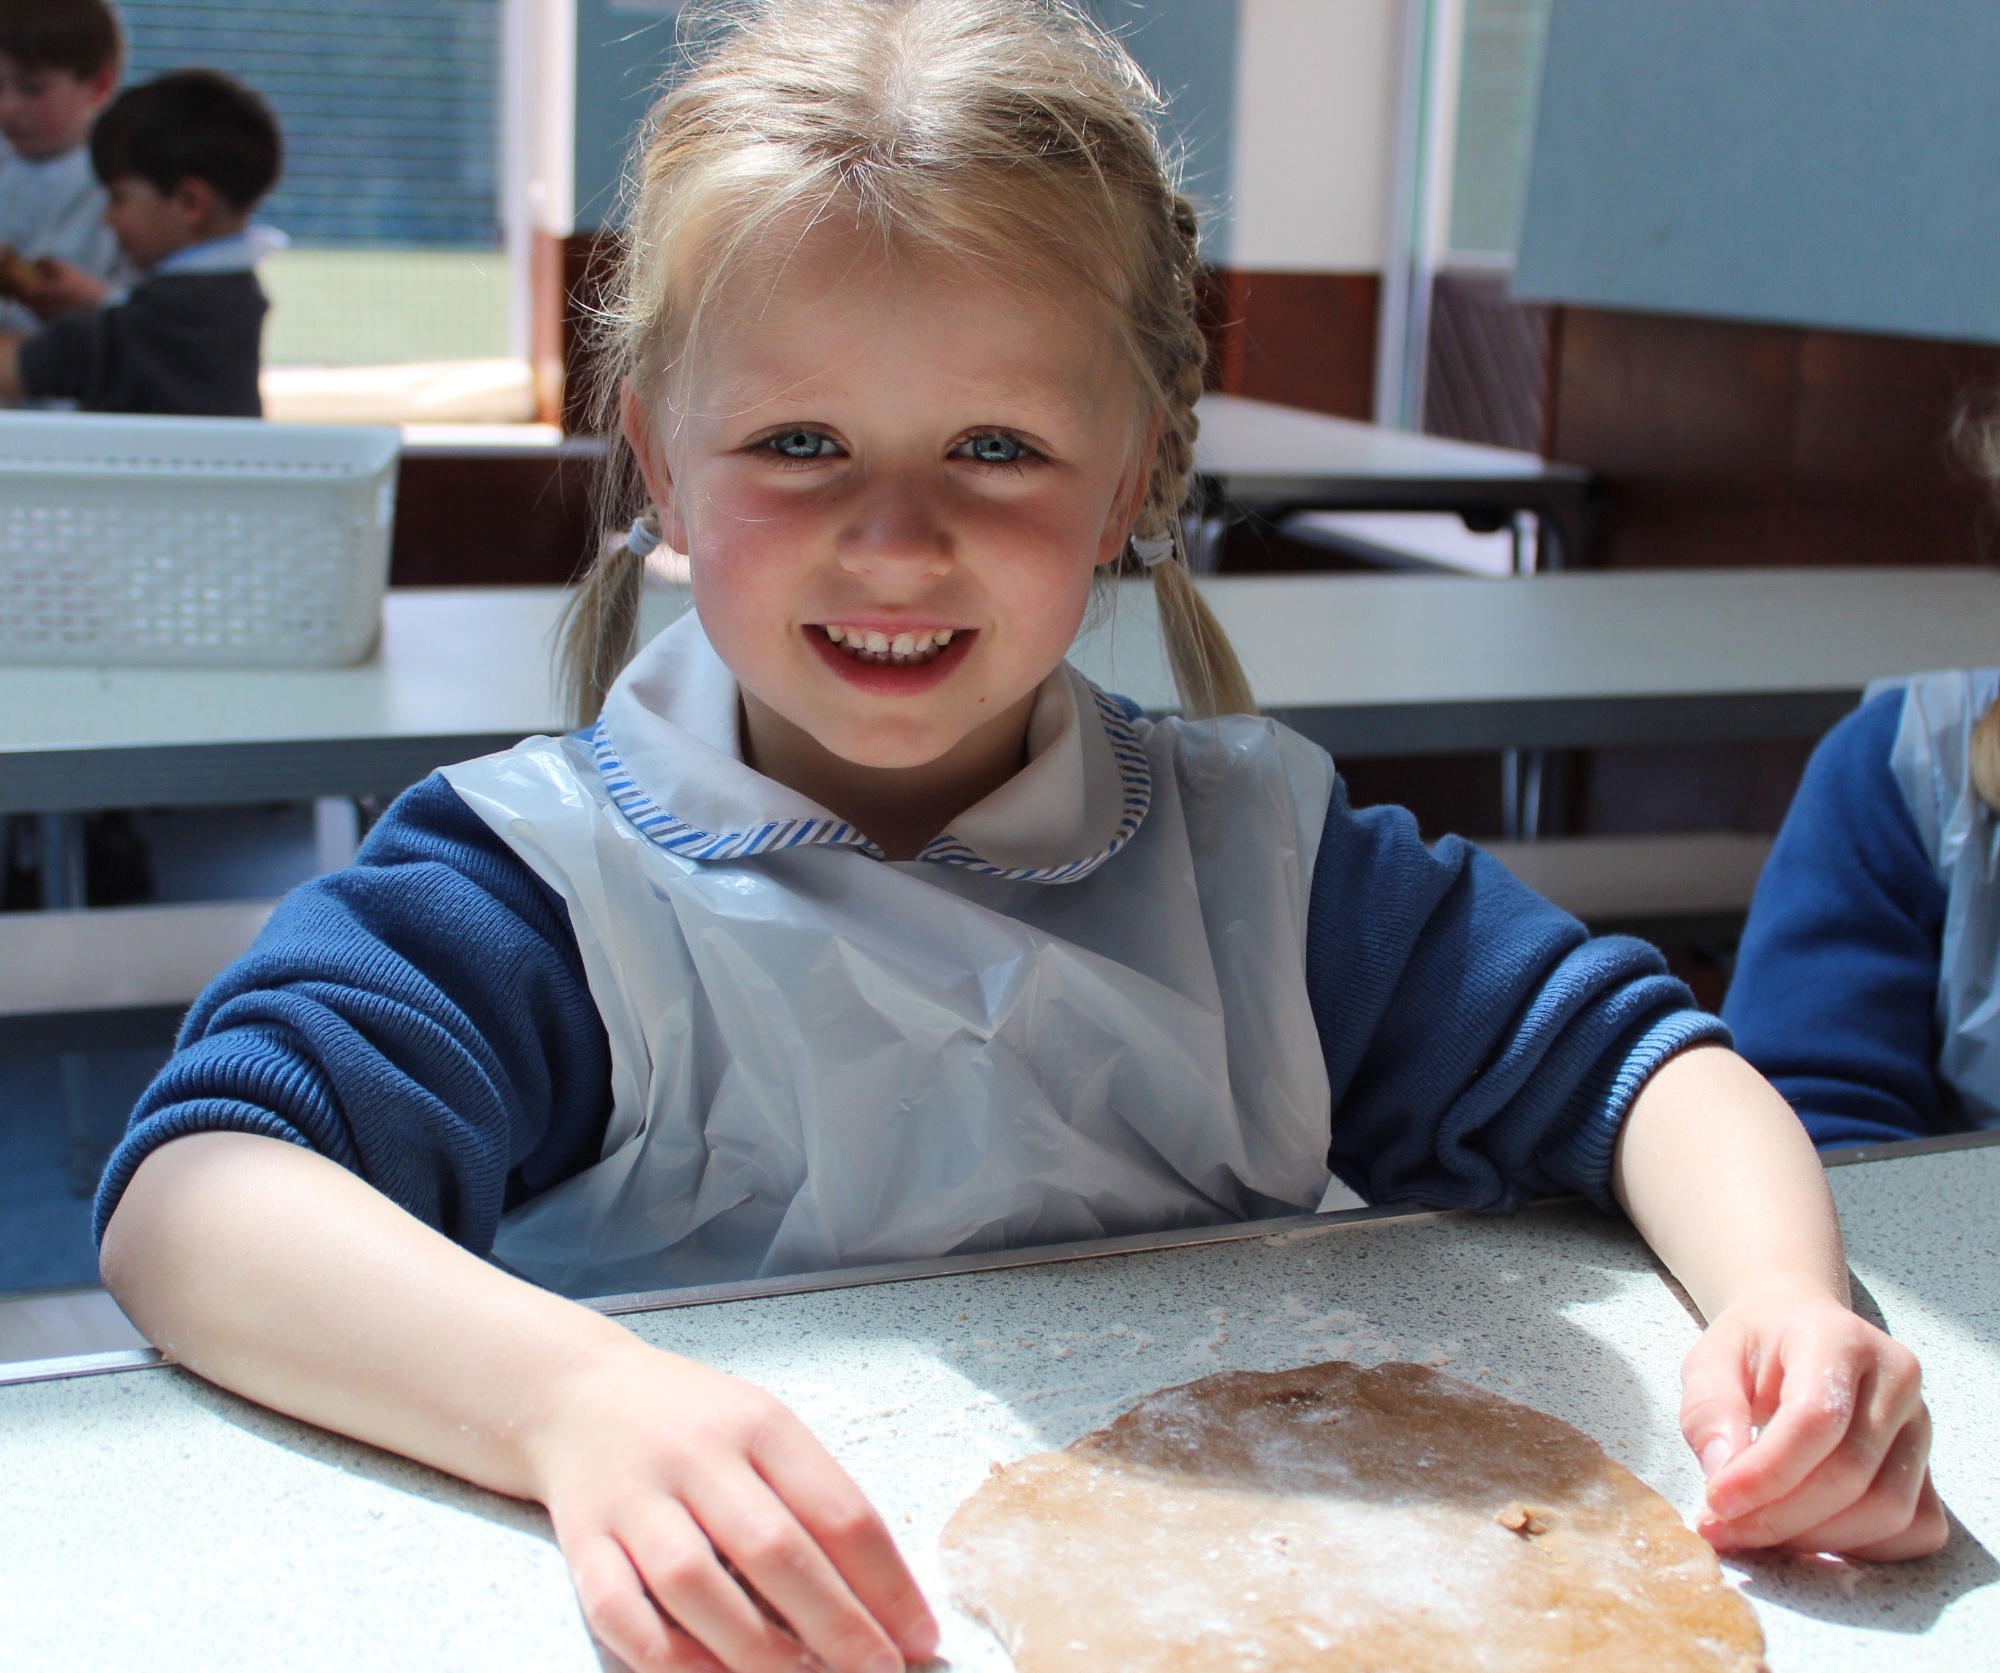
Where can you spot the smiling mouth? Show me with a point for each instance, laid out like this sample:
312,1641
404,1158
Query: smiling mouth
890,650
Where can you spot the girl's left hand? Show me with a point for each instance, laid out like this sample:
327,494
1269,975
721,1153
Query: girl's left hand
1811,1428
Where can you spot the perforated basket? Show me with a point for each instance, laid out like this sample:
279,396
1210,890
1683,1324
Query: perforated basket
218,541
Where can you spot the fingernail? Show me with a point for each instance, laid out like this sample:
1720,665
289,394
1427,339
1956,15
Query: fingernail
886,1661
1714,1456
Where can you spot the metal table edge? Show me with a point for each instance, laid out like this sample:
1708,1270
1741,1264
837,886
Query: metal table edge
1288,1227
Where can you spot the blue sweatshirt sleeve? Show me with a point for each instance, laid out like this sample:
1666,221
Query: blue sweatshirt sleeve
1483,1048
1835,988
421,1018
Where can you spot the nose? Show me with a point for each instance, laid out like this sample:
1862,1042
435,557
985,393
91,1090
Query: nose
895,533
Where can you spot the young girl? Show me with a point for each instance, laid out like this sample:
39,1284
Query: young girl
860,927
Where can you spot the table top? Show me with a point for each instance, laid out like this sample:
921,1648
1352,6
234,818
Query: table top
1380,664
1365,664
149,1519
1258,449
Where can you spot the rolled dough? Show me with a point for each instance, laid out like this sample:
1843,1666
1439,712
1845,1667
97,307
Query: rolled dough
1345,1521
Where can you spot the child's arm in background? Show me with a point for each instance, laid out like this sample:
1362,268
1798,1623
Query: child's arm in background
61,287
10,366
280,1275
1809,1422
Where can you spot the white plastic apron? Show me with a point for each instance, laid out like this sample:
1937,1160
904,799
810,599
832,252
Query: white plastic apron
821,1059
1932,763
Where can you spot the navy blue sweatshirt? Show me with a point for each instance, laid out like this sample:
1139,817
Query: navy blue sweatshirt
422,1018
1835,991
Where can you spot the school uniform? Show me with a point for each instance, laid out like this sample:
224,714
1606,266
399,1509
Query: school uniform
622,1013
188,339
55,207
1867,987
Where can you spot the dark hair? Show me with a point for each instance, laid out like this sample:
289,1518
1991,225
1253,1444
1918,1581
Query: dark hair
80,36
196,124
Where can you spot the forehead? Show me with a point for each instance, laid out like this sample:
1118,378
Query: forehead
829,314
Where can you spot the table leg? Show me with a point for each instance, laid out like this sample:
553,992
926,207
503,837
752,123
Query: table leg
65,889
1521,776
62,859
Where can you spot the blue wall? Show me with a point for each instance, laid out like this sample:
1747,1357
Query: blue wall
621,58
1810,162
1188,47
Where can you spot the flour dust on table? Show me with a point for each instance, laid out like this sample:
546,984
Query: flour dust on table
1339,1519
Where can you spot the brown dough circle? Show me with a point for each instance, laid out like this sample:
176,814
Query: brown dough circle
1340,1520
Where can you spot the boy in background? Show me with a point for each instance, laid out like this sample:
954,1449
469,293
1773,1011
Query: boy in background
184,161
59,67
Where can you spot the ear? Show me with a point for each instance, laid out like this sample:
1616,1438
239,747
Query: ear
102,84
1129,499
643,436
196,201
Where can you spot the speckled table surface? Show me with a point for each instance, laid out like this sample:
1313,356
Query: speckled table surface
147,1520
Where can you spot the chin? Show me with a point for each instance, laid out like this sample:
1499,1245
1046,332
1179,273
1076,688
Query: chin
887,749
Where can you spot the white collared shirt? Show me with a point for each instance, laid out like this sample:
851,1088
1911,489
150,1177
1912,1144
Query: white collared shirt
670,749
240,252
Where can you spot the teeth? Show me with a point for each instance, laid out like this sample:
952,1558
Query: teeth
900,649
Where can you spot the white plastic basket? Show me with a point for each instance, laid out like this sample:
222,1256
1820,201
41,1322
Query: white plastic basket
216,541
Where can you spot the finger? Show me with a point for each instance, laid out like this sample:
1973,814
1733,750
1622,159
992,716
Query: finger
1861,1470
680,1569
751,1526
1929,1531
1817,1404
838,1516
623,1619
1715,1402
1835,1510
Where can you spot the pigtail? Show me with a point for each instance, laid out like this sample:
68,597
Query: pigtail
1206,671
599,628
600,624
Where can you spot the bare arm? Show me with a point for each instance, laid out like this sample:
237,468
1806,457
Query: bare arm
1809,1423
280,1275
10,367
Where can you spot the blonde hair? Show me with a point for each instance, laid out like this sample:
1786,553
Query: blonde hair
1002,132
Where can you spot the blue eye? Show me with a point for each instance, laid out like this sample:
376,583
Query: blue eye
802,443
994,448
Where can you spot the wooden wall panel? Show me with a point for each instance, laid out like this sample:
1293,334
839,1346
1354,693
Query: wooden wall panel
1303,339
508,520
1722,443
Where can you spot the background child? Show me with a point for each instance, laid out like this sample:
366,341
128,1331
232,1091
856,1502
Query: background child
1866,982
59,67
185,160
861,926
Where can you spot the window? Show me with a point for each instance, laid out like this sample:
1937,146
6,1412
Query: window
1500,72
391,193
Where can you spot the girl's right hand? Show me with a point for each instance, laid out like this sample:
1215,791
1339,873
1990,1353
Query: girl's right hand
692,1507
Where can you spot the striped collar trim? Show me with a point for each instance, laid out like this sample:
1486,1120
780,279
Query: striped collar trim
677,836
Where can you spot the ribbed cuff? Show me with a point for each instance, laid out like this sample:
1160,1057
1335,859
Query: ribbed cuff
1579,1154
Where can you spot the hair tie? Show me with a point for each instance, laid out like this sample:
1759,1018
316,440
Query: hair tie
643,536
1152,550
